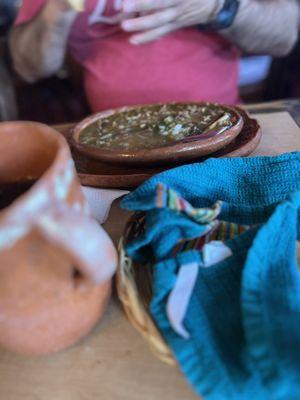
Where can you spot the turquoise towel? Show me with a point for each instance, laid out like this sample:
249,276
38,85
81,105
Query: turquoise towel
243,315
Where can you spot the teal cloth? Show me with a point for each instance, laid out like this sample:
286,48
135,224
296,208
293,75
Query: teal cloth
244,313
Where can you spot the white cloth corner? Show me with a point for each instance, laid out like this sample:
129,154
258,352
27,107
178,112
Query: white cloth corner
179,298
214,252
100,201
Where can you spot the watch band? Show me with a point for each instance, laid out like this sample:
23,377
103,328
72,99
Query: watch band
224,18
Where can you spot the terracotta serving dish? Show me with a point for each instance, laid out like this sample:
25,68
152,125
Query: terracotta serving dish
188,149
100,174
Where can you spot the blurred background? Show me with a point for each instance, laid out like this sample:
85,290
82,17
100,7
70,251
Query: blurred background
61,98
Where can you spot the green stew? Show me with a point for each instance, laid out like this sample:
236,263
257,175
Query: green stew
155,126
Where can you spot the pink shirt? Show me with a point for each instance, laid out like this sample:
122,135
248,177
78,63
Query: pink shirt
185,65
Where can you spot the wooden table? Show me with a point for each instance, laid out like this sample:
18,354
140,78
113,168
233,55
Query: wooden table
114,362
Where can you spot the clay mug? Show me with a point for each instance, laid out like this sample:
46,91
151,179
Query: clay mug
56,263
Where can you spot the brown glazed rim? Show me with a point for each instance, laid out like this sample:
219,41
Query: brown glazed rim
177,151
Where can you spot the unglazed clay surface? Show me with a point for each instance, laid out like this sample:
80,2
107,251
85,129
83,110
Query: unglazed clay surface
56,263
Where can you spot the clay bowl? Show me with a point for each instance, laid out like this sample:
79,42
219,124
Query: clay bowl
182,151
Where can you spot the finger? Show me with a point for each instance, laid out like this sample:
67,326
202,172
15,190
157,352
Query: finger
147,5
152,34
151,21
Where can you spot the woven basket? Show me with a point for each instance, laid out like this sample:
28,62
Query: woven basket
134,286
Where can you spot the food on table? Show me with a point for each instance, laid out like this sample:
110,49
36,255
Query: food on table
148,127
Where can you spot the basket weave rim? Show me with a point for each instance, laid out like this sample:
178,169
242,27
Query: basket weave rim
136,312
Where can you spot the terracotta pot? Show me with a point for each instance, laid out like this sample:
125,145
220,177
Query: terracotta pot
189,149
56,263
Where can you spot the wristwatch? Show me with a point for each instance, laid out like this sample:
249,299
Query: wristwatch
224,18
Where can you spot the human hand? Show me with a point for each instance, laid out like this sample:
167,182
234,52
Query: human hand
160,17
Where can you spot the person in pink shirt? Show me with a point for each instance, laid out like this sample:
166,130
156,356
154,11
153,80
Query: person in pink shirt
149,51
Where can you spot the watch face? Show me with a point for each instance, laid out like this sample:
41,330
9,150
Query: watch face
225,16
